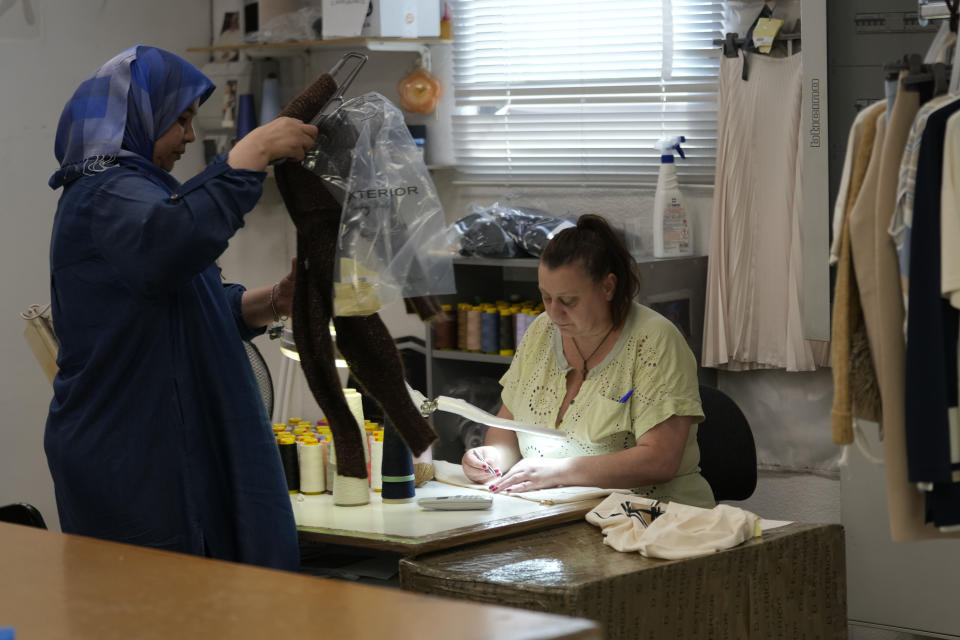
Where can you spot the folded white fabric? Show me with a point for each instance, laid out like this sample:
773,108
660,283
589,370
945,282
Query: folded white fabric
670,530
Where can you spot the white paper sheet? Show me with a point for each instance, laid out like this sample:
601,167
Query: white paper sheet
467,410
471,412
450,473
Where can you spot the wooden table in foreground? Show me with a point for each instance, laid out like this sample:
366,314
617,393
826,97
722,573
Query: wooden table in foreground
408,530
54,585
790,583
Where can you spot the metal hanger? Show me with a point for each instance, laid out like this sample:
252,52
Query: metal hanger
336,100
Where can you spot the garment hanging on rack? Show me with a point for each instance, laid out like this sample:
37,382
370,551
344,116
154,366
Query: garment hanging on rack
855,388
876,270
931,363
901,221
950,214
845,195
754,281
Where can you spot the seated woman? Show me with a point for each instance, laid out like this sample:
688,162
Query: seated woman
615,376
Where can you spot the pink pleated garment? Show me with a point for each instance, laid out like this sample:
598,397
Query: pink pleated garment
754,317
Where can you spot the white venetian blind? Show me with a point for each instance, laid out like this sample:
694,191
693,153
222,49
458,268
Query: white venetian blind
583,89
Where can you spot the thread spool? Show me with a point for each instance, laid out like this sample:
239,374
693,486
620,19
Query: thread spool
506,332
490,330
350,492
355,402
474,329
291,464
331,474
312,480
270,99
526,318
445,328
376,464
462,309
397,468
366,443
517,327
324,456
246,115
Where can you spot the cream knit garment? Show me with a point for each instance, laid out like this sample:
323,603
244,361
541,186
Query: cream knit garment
670,530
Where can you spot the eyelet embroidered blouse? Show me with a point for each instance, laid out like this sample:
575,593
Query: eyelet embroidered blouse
650,357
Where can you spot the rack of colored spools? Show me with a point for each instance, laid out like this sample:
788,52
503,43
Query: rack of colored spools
309,457
484,327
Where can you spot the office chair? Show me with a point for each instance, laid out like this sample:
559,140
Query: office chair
22,513
262,373
728,454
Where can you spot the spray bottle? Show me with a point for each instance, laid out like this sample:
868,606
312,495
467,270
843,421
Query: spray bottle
672,234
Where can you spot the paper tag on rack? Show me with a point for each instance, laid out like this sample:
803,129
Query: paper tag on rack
765,32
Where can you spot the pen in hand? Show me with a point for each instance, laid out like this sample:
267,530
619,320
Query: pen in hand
486,465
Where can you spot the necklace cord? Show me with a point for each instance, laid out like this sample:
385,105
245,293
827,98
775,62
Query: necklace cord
592,353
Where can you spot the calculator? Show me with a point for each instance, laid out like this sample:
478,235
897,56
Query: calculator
456,503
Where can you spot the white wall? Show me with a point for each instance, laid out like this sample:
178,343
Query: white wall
40,66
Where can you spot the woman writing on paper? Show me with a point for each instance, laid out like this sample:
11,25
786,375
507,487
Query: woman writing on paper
615,376
156,433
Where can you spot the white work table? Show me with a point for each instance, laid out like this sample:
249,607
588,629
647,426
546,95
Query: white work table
406,528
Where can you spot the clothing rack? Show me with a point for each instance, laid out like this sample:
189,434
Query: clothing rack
920,73
732,42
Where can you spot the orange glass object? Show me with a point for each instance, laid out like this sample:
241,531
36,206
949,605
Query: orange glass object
420,91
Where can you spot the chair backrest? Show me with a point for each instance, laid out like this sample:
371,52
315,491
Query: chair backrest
728,454
262,373
22,513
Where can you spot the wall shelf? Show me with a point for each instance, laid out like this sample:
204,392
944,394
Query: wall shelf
290,49
470,356
497,262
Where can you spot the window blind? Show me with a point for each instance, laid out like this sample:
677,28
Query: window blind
583,89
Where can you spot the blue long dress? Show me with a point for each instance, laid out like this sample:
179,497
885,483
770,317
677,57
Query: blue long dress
157,434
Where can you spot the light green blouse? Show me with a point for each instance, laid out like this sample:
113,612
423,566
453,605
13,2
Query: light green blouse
651,358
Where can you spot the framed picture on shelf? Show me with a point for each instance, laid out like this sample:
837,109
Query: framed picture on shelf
227,28
229,108
219,113
230,34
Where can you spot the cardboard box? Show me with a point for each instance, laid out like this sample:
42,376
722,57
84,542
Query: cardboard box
428,18
391,19
402,19
791,583
343,18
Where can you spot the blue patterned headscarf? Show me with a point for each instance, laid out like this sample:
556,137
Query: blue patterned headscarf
117,114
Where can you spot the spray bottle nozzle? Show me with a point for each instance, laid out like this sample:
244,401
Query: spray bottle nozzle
669,145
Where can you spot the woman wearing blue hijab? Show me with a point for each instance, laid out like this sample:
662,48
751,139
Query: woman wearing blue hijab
156,434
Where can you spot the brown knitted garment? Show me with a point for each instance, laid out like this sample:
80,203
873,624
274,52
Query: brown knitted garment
364,341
